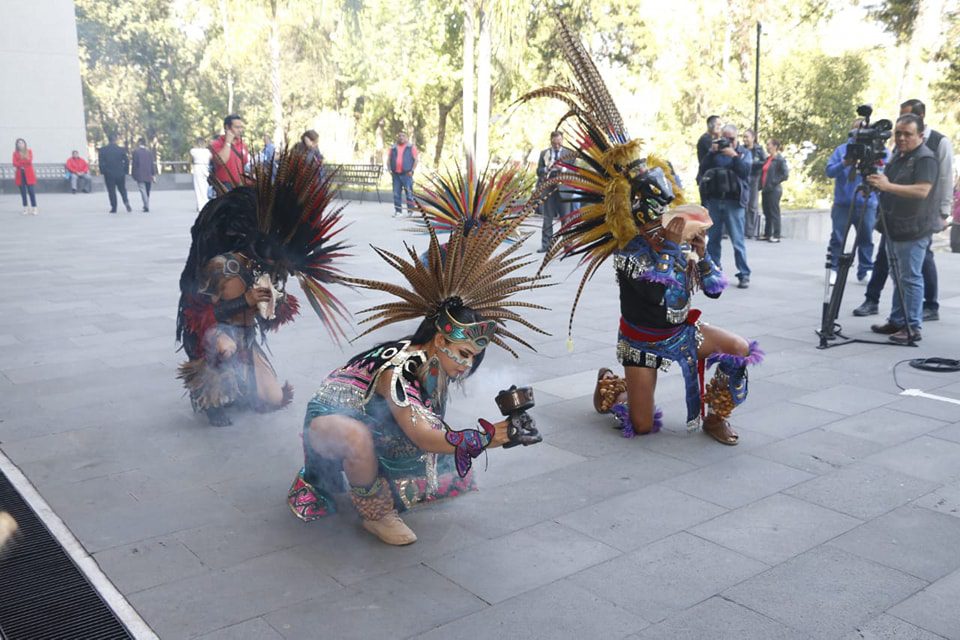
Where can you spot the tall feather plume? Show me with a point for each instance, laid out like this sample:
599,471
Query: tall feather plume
468,266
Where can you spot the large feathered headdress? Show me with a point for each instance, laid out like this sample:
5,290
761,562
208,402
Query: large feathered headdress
616,188
467,272
496,195
283,222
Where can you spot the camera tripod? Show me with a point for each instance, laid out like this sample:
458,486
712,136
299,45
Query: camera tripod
830,332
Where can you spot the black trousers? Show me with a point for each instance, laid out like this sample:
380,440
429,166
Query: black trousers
114,184
771,212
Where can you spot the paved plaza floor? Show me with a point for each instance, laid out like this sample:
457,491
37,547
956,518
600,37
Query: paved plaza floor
838,515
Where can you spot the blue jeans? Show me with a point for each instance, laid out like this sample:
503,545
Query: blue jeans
881,268
402,182
727,214
909,257
863,221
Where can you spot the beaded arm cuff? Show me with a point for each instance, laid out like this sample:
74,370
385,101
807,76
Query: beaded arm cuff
662,272
469,444
711,278
226,309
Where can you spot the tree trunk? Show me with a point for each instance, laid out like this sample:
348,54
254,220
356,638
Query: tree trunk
276,85
225,22
443,110
468,130
484,54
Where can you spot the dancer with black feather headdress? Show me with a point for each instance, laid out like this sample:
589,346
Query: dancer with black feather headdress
379,418
631,208
246,244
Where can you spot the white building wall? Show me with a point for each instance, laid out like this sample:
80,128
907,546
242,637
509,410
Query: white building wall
41,99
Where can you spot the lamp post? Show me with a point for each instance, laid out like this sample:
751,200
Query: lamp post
756,88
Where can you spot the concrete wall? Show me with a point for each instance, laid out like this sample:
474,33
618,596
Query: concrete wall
40,80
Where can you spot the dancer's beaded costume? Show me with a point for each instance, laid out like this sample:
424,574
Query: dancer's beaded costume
254,236
621,194
462,273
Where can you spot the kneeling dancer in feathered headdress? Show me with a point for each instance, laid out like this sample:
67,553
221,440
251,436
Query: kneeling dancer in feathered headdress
379,418
625,198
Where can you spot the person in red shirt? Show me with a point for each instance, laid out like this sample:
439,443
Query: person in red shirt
230,155
78,172
402,163
25,177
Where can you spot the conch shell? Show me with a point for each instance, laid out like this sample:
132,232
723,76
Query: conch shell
697,220
267,309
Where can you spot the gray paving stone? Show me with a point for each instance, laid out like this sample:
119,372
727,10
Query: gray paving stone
887,627
148,563
914,540
783,420
519,505
255,629
824,592
699,449
885,426
217,599
818,451
404,603
668,576
945,411
925,457
640,517
554,612
862,490
934,608
738,481
520,463
720,619
847,399
522,561
950,432
775,528
946,500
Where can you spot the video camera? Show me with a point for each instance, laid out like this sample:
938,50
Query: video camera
869,146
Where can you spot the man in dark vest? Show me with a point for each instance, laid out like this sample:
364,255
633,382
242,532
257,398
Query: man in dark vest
402,162
942,199
114,166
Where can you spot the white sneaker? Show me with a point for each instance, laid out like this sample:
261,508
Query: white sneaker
34,211
833,277
26,211
866,278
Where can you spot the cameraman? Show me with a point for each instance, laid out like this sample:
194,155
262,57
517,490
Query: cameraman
553,207
725,189
909,216
846,180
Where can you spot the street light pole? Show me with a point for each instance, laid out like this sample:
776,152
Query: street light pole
756,89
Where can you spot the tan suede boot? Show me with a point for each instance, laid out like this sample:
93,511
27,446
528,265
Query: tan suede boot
375,505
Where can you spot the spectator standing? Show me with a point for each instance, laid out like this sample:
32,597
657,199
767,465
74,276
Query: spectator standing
266,154
230,155
909,201
955,227
114,166
78,172
311,143
25,177
759,156
943,152
714,125
725,188
402,162
200,158
550,166
862,216
144,171
772,175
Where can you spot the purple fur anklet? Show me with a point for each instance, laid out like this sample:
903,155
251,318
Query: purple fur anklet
622,413
755,356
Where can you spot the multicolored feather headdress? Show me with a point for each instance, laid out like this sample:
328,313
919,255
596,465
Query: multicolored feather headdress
497,195
616,188
283,222
467,272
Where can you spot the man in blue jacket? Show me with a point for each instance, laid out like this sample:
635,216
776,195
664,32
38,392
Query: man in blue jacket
846,181
725,187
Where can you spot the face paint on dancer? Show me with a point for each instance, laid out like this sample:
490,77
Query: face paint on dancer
456,357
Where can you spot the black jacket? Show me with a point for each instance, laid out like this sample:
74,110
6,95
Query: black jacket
113,161
776,174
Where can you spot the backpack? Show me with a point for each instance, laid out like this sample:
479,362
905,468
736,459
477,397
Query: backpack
719,183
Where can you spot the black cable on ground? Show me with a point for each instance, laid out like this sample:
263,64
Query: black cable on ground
934,365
